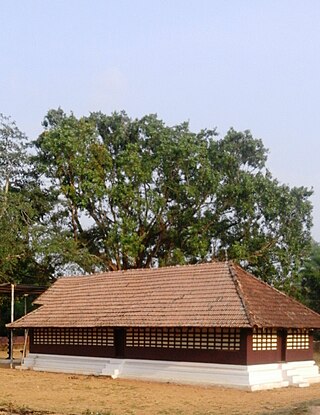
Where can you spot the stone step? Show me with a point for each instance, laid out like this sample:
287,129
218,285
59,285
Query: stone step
68,364
302,385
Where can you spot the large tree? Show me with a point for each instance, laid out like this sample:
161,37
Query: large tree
23,209
137,193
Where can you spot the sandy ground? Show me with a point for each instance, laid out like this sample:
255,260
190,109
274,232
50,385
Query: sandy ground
89,395
70,394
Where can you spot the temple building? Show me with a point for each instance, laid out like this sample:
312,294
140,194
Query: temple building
211,323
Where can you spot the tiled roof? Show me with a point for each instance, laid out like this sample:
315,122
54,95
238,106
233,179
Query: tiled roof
205,295
268,307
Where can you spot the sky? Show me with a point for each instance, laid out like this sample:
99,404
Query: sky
238,63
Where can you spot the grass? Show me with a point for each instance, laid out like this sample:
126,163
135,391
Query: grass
301,409
88,412
11,409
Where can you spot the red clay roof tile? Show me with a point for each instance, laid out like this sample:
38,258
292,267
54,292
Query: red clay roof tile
205,295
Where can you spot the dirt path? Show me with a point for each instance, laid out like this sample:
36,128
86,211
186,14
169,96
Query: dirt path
70,394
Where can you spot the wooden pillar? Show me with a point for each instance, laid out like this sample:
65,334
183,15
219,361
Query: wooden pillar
12,319
26,332
283,344
245,344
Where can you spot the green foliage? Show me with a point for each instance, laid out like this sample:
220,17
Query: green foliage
108,192
14,208
310,279
19,311
22,208
137,193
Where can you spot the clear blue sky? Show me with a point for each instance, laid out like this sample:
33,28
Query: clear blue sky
247,64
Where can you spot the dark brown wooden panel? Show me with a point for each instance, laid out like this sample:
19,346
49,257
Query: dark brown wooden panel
90,351
245,355
187,355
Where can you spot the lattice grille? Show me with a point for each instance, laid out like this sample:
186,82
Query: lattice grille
184,338
74,336
264,339
297,339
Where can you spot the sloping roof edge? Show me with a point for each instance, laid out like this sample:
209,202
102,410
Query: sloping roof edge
258,304
258,319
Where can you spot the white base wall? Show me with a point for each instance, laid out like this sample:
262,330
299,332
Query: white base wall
252,377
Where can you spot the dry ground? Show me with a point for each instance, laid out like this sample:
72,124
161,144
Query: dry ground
21,391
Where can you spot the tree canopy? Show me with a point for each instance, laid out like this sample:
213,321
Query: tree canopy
132,193
107,192
310,279
22,210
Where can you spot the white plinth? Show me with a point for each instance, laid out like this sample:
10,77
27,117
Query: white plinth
252,377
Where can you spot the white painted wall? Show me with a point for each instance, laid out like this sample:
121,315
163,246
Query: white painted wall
252,377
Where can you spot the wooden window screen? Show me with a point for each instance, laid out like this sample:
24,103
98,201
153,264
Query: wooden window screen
99,336
297,339
184,338
264,339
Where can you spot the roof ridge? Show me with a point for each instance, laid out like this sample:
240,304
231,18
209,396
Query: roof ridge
241,294
133,270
